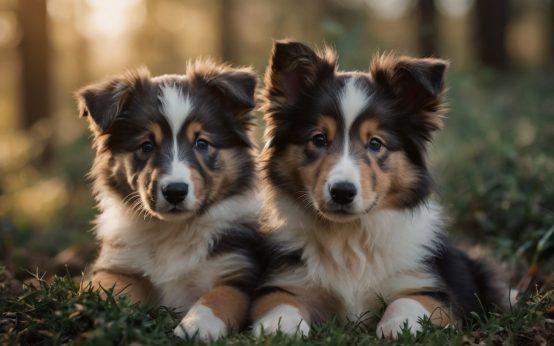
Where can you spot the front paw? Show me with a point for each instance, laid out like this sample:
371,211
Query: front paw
284,318
401,312
200,321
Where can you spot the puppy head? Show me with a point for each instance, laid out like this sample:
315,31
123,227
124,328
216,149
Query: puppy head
171,146
344,144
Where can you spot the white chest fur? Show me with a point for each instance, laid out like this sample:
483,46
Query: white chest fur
366,262
172,255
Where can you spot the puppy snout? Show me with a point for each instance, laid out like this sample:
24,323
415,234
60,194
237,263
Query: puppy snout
343,192
175,193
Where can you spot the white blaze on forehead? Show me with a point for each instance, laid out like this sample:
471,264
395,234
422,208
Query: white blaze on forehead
176,107
353,99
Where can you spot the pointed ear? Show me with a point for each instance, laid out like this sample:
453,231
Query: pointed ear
416,85
103,102
293,67
238,86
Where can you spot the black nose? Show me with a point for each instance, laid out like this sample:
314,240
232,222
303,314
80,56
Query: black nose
343,192
175,192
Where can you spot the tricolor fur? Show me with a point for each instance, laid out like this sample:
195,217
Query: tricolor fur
348,210
175,182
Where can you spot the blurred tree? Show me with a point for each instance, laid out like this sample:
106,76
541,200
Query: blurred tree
427,28
227,34
491,22
35,58
550,33
344,27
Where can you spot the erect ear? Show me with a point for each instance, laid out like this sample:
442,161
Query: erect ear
416,85
104,101
293,67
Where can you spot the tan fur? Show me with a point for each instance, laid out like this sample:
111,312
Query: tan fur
232,164
156,130
137,288
270,301
438,313
227,303
291,160
318,170
218,178
198,182
329,127
401,176
321,304
331,237
367,129
193,129
370,191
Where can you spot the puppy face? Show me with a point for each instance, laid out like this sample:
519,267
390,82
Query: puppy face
171,146
344,144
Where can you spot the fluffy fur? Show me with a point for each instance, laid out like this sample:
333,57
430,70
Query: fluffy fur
348,211
175,182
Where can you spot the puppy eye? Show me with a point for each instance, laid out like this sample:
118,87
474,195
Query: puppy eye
201,145
147,147
374,144
319,140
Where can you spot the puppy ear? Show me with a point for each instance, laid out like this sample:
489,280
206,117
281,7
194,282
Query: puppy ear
238,86
294,67
416,85
103,102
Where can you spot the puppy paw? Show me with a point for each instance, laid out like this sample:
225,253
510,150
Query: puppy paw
397,314
200,321
284,318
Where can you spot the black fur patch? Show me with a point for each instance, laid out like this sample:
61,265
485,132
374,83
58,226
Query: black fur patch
467,282
247,241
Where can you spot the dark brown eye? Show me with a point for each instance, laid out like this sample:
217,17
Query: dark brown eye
147,147
201,145
374,144
319,140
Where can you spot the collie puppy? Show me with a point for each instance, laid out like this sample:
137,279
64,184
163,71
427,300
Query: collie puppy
174,177
348,212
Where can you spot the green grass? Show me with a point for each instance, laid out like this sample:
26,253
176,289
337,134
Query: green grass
54,312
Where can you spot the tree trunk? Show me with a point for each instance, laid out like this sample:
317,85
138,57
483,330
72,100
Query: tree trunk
227,43
427,28
550,33
492,20
35,57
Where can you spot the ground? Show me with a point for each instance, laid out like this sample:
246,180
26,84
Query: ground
54,312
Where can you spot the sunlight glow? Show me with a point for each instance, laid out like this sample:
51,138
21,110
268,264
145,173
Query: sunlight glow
60,9
8,29
112,19
391,9
455,8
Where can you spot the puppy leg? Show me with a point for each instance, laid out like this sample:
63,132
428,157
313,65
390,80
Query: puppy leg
410,309
221,309
279,311
138,288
